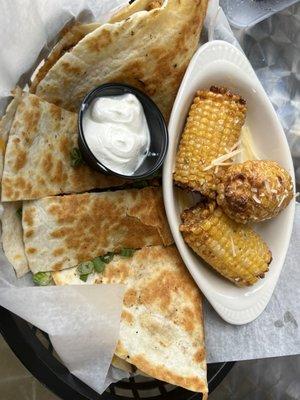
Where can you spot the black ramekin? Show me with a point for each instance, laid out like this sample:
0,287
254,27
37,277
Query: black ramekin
157,127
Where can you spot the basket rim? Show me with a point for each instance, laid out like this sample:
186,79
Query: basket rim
48,370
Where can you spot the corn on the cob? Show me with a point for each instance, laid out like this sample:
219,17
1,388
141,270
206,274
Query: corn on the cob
254,190
232,249
212,130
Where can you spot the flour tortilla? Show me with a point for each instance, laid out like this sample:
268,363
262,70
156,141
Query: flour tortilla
161,330
70,36
123,365
37,159
60,232
149,50
6,123
12,231
12,238
134,7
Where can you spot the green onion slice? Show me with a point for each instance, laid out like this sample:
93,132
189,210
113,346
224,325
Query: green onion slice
140,184
107,257
19,212
85,268
76,157
99,264
127,252
42,278
83,277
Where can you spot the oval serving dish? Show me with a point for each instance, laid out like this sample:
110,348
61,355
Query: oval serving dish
219,63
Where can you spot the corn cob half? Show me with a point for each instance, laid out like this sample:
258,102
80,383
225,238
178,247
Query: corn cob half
255,190
212,129
232,249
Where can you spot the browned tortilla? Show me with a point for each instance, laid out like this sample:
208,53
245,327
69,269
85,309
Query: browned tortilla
37,160
161,330
62,231
149,50
71,35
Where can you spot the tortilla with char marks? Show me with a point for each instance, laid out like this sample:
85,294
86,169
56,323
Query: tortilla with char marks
149,50
161,330
60,232
12,237
70,36
11,222
37,160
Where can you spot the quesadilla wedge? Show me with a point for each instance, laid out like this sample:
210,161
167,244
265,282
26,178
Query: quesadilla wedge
149,50
61,232
70,36
134,7
38,159
123,365
12,237
5,125
161,329
11,219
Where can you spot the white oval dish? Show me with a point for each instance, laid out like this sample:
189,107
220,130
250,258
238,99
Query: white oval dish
220,63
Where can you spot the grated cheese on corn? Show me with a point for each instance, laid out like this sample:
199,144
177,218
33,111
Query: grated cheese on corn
224,157
233,247
256,199
216,238
213,125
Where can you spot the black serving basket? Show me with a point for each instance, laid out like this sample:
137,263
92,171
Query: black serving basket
34,350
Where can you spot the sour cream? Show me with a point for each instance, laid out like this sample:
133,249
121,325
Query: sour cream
117,133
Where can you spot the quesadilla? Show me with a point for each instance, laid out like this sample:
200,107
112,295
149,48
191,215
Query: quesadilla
12,237
11,219
134,7
70,36
38,159
161,329
123,365
5,125
61,232
149,50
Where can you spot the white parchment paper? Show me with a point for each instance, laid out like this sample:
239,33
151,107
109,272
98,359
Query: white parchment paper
276,332
83,321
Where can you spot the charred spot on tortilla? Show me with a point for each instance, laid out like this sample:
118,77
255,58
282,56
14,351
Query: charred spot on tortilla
31,250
